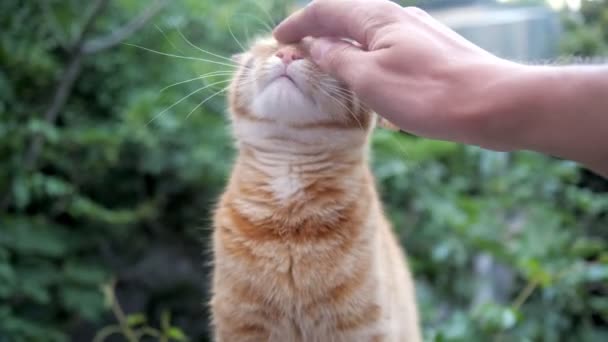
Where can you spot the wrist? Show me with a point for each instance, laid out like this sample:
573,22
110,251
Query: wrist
495,110
548,109
521,101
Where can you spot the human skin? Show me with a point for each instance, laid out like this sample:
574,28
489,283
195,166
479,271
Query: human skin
431,82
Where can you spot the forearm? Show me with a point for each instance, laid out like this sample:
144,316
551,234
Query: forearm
560,111
432,82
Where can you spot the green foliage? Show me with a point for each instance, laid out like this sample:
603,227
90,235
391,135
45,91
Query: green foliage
587,33
504,246
133,327
108,183
541,234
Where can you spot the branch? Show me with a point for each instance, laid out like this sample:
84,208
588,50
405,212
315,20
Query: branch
102,43
65,84
50,116
95,11
63,90
80,48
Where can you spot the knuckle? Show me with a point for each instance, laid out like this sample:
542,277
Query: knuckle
382,12
374,18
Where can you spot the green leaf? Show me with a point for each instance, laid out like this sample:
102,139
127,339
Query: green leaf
136,319
21,192
508,319
24,329
84,273
85,208
8,280
36,280
535,271
88,302
177,334
33,237
43,128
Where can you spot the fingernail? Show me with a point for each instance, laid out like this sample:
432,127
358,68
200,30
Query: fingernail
318,49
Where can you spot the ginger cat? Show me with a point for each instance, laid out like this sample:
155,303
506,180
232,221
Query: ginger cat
302,250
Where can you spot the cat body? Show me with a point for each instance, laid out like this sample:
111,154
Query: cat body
302,250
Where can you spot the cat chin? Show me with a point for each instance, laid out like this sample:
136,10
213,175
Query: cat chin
283,101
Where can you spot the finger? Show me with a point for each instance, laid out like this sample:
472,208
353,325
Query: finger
338,58
355,19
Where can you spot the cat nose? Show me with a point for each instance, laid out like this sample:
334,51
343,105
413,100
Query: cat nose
289,54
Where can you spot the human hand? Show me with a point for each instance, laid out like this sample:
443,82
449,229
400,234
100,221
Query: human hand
408,67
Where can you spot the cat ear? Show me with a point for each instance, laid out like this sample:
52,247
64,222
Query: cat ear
385,124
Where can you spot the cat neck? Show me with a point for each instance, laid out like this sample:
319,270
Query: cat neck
288,142
285,190
298,180
288,162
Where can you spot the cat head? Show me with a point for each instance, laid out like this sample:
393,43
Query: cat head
278,93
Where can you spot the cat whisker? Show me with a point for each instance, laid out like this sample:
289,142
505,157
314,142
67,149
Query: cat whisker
333,84
182,57
235,39
207,99
211,74
404,152
185,97
167,38
347,92
338,100
265,11
267,25
338,89
343,95
344,92
205,51
247,34
346,97
262,22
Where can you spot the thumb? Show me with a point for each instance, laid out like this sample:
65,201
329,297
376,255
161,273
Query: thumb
337,57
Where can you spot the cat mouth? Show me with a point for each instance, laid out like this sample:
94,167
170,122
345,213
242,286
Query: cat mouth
285,80
285,77
290,82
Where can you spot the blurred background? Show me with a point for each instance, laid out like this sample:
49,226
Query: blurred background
106,187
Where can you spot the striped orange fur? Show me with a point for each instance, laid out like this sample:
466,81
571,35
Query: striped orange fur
302,250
